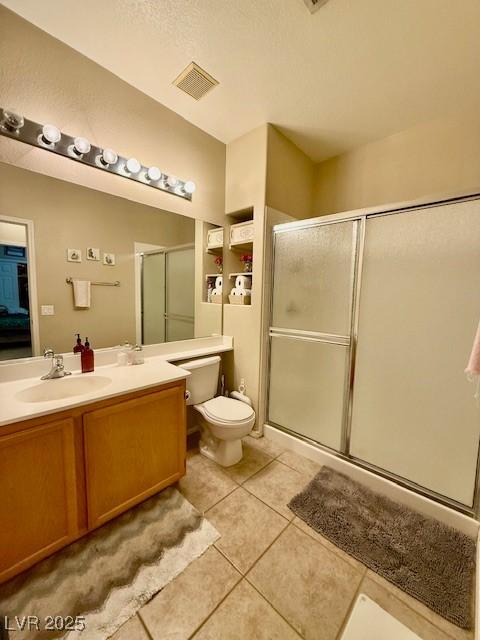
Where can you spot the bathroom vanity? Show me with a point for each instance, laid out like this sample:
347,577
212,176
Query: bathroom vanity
65,473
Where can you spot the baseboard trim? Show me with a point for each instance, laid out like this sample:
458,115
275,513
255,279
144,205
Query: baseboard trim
427,507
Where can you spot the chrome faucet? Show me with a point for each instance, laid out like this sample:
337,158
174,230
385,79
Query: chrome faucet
58,369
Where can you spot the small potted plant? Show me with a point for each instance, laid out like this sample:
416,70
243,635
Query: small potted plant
247,262
219,263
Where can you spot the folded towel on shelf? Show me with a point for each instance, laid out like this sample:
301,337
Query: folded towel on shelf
81,294
219,282
473,366
217,291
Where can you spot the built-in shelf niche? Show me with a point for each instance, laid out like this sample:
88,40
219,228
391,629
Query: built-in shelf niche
240,241
212,247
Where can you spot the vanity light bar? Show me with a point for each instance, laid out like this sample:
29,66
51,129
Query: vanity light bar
49,137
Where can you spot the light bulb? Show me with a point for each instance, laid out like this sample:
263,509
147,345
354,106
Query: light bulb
132,166
153,174
189,187
172,181
11,120
81,146
50,134
108,157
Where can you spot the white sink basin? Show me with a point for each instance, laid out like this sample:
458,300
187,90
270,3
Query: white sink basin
61,388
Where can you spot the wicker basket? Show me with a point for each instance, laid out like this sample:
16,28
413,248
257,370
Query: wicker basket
240,299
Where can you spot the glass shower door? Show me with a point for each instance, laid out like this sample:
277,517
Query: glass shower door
310,336
414,414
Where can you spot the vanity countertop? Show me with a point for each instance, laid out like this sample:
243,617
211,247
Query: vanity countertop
120,380
19,377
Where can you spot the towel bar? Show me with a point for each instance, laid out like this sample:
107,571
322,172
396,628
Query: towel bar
100,284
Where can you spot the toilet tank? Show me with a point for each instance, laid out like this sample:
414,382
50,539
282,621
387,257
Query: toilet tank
203,381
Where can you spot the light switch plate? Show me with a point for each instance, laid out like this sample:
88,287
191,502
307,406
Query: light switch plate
47,310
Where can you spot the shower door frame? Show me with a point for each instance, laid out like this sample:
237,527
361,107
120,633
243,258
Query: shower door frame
361,216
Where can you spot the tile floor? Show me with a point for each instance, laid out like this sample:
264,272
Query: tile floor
269,576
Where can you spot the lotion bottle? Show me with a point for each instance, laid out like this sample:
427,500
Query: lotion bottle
87,357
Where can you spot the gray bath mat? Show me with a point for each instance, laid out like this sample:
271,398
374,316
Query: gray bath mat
110,573
423,557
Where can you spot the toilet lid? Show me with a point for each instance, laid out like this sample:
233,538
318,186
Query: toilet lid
227,409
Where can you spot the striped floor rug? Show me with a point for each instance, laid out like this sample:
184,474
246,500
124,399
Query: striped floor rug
109,574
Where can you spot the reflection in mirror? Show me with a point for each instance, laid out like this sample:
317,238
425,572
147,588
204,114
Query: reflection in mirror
15,333
168,294
141,269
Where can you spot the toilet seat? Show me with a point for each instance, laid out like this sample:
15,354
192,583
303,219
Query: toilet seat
227,411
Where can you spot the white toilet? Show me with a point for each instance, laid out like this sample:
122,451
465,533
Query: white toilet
223,421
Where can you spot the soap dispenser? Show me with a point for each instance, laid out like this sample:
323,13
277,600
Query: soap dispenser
87,358
78,348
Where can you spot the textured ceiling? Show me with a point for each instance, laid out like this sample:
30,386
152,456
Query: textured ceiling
353,72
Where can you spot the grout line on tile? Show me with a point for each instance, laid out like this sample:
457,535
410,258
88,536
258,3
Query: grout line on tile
262,469
274,457
300,635
305,475
221,500
350,607
269,505
230,561
263,552
143,623
219,603
267,549
218,501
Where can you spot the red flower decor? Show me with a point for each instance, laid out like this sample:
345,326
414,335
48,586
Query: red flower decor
219,261
246,258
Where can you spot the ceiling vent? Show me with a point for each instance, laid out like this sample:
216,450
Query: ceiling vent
314,5
195,81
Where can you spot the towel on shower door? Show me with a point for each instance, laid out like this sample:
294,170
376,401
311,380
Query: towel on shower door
473,366
81,294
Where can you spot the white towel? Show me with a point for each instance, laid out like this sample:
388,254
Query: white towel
219,282
81,294
217,291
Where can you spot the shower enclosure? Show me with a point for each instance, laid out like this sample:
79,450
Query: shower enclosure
372,322
168,295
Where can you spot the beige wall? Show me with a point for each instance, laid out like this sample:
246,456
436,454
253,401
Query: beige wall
69,216
49,82
290,177
430,160
262,168
246,170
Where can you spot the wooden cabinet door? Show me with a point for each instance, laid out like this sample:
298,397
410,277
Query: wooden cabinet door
132,450
37,494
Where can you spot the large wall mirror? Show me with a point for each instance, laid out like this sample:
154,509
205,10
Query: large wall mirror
75,260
